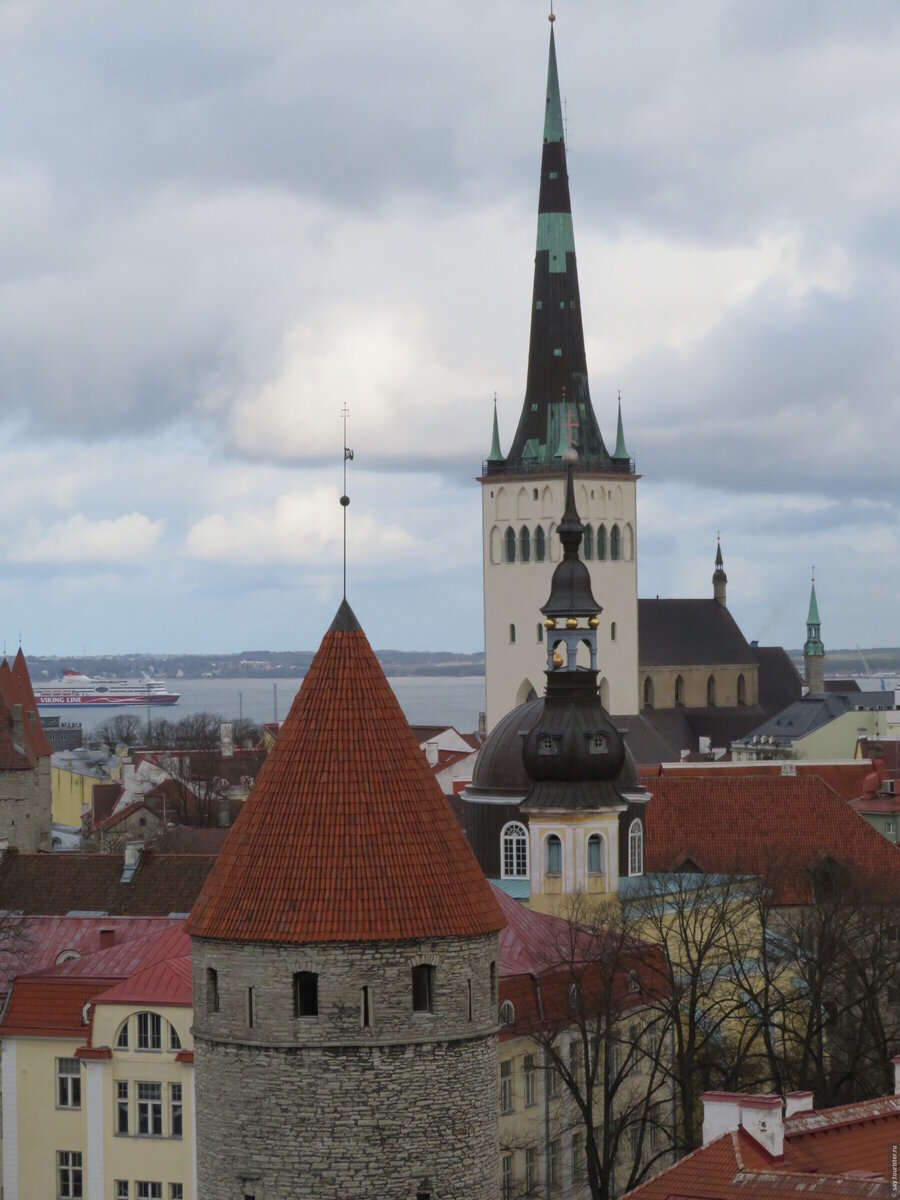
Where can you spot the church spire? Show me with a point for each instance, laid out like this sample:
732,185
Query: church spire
620,454
719,579
557,414
496,454
814,649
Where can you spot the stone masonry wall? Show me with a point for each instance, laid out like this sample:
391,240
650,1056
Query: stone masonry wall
25,807
322,1107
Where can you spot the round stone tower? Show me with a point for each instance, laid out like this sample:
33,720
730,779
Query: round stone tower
345,966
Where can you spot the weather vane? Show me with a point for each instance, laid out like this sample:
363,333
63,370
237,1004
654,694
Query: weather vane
552,16
345,499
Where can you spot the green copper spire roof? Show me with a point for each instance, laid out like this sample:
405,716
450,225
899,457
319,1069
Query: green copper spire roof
553,122
496,454
813,618
814,646
620,451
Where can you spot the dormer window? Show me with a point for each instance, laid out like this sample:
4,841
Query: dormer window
598,743
547,744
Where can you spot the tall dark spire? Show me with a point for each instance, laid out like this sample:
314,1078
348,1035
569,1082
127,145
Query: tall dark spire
557,413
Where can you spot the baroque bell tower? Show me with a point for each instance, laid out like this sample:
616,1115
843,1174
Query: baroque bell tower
524,489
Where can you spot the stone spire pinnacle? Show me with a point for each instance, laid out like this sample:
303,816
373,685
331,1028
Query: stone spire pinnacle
557,414
719,579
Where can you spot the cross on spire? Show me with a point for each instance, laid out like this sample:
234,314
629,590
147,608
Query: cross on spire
345,499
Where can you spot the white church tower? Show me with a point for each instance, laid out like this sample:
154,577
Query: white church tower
523,492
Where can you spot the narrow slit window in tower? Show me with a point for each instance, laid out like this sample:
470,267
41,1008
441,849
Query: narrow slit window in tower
306,994
423,988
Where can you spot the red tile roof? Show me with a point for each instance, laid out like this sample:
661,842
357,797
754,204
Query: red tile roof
94,1053
42,1007
773,826
346,835
34,733
846,778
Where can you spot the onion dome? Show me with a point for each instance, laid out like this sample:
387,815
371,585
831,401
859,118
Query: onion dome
570,589
346,835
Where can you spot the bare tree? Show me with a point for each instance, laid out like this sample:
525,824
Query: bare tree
124,729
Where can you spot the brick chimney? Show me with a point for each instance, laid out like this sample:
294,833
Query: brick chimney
798,1102
431,753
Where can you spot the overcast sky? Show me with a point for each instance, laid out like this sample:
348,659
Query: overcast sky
220,222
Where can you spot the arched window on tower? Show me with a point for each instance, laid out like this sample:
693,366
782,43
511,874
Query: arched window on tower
514,851
612,631
510,544
595,854
628,544
525,544
679,689
587,544
648,692
540,544
512,635
711,691
614,543
496,542
741,690
635,848
540,631
601,542
553,855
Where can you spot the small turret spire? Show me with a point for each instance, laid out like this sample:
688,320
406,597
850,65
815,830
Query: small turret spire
620,454
814,649
719,579
496,455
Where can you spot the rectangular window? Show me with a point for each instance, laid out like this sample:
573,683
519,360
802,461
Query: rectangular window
530,1081
148,1191
121,1106
175,1110
68,1174
552,1083
68,1083
470,998
121,1189
890,828
212,990
306,994
251,1007
150,1109
423,988
577,1156
366,1009
575,1061
506,1176
176,1191
531,1170
506,1087
554,1162
149,1035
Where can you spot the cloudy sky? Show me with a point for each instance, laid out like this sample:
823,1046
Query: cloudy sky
221,222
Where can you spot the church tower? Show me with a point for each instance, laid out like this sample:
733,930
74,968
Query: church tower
344,954
719,579
814,648
524,489
585,807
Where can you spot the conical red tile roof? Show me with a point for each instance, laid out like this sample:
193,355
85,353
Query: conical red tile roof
346,835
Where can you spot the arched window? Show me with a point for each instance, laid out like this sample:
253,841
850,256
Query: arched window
635,848
601,542
512,635
604,692
496,542
525,544
587,545
628,544
742,690
540,544
612,632
122,1039
595,854
614,543
711,691
648,692
679,690
510,544
514,851
540,631
507,1013
553,855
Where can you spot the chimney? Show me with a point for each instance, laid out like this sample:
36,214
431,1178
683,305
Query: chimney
431,753
759,1116
798,1102
107,938
482,722
133,853
226,740
224,812
896,1062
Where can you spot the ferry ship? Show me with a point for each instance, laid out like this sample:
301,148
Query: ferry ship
75,688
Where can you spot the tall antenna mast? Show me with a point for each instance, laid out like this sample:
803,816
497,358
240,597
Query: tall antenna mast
345,499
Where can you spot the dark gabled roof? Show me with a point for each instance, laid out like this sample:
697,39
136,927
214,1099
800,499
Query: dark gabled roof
56,884
779,684
688,633
802,717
